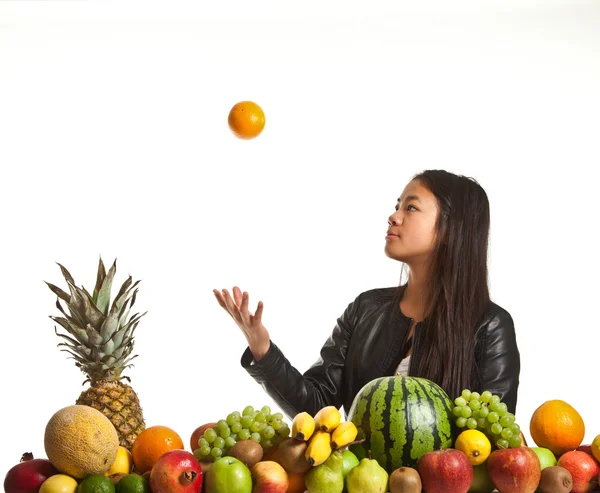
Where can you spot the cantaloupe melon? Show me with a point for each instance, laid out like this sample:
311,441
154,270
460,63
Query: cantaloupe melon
81,441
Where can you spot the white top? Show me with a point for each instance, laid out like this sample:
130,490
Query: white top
403,367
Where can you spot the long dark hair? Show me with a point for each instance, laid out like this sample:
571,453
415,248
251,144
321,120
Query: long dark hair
457,292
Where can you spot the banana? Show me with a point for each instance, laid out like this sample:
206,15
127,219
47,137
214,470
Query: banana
303,426
319,448
343,434
327,419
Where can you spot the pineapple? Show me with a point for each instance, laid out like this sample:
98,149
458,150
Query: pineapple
100,340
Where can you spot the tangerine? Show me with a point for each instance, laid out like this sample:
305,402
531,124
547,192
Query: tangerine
246,120
556,425
151,443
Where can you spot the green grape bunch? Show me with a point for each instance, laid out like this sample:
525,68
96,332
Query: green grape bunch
486,412
252,424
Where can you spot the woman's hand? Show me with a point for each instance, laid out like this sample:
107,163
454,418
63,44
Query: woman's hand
251,325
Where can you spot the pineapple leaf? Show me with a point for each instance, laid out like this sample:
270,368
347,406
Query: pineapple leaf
102,297
125,332
127,336
119,352
129,301
93,336
87,293
126,363
94,317
66,274
72,329
95,356
124,287
59,292
117,337
74,342
108,347
109,327
121,298
76,303
109,360
75,316
82,351
101,274
73,355
76,328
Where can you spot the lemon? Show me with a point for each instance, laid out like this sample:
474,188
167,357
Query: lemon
596,448
475,445
122,464
133,483
98,483
59,483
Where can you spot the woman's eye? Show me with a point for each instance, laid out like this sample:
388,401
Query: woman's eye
408,207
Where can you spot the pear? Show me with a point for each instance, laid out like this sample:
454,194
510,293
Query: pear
327,477
367,477
291,455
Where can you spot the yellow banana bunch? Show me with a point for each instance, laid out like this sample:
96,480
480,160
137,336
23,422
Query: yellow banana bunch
327,419
319,448
324,433
343,434
303,426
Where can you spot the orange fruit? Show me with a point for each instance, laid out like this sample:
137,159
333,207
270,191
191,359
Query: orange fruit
246,120
151,443
296,483
556,425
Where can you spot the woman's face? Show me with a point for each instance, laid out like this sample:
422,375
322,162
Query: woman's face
414,222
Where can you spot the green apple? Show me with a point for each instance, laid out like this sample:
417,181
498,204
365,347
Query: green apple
228,474
349,460
482,482
547,458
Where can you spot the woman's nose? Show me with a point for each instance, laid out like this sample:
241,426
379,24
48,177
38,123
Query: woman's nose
395,219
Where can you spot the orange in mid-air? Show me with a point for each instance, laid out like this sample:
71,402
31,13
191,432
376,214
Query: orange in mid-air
246,120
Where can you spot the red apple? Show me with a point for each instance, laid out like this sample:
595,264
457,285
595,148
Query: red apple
197,434
445,470
269,477
176,471
588,450
515,470
28,476
583,468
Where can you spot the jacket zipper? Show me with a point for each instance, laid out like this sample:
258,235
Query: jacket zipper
414,348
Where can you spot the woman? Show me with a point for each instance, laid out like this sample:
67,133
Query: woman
440,324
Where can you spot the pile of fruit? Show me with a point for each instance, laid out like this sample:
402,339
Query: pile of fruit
402,434
315,455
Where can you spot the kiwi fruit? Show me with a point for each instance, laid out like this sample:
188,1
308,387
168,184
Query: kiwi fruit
555,479
247,451
291,456
205,465
405,480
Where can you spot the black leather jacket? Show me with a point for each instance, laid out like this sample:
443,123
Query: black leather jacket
365,344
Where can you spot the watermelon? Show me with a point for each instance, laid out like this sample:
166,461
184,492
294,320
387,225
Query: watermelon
401,418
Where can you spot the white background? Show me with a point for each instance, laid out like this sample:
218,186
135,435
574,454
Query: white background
114,142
